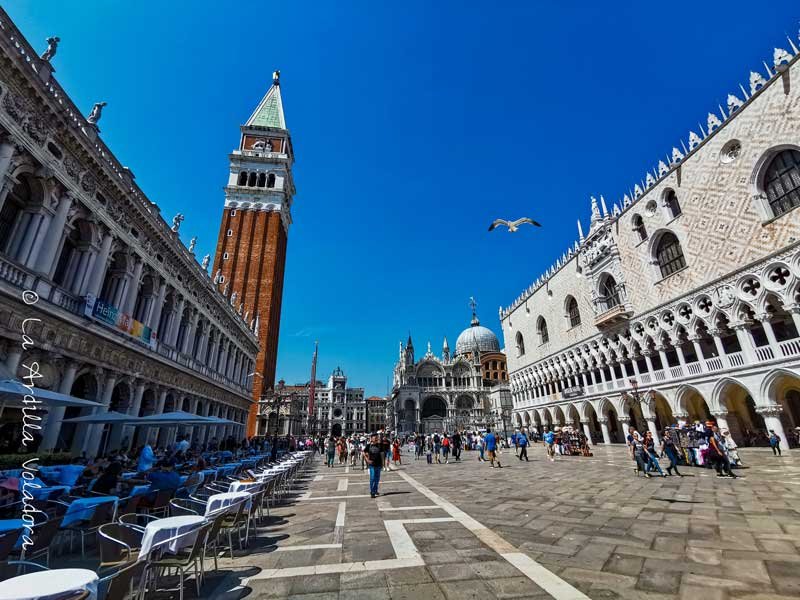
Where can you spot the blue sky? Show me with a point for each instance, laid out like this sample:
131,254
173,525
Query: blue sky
414,124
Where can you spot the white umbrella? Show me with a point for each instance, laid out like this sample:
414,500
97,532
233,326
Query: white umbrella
176,418
13,392
106,417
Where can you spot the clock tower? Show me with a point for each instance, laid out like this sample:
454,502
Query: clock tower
251,249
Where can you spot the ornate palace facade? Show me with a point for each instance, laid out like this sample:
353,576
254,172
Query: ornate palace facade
682,301
120,310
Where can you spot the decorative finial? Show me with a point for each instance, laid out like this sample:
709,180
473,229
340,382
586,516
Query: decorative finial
97,112
52,48
276,77
474,305
603,205
176,222
580,230
595,211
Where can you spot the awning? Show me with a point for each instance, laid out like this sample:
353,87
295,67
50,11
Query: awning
13,392
106,417
178,418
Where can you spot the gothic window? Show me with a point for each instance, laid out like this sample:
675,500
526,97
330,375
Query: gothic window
673,206
541,328
251,180
669,254
271,180
609,292
573,313
262,178
639,228
242,178
782,181
520,344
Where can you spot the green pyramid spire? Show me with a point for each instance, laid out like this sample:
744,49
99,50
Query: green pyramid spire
269,112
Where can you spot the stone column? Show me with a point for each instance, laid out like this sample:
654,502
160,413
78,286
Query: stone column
52,426
604,429
717,337
651,426
586,431
136,405
624,423
157,410
158,307
722,420
188,339
133,289
175,325
649,362
772,419
663,356
773,341
95,432
7,151
681,358
746,342
32,230
45,261
698,350
100,265
12,360
794,310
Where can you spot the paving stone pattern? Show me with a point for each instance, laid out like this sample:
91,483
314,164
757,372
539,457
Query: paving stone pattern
589,521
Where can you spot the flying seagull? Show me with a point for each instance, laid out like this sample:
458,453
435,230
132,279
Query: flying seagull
513,225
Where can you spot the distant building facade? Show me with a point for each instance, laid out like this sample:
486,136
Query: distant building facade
442,393
376,413
681,302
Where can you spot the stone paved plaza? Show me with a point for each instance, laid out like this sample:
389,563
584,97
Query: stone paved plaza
576,528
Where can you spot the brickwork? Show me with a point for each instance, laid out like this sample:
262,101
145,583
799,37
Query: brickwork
251,248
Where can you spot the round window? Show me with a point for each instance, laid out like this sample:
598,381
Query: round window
337,412
650,208
730,151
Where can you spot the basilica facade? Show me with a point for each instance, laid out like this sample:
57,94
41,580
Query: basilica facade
451,391
681,301
97,289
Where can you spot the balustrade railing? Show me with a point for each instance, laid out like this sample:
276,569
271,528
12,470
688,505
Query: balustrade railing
764,353
676,372
790,347
714,364
735,359
694,368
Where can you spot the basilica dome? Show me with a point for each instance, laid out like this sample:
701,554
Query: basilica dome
476,333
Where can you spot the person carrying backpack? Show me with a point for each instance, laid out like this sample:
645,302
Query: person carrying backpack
774,443
522,443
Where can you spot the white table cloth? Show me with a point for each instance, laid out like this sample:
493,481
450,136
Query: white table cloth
43,585
158,532
218,502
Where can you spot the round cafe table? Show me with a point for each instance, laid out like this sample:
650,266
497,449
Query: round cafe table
46,585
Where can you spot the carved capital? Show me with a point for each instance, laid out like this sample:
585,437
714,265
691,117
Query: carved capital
720,413
773,410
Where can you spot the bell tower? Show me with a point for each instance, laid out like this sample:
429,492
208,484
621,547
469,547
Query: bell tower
251,247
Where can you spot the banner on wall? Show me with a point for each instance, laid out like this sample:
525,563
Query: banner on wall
110,315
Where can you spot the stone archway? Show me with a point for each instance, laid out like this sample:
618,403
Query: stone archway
433,414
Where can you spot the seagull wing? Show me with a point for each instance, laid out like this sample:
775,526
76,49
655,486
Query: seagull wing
497,222
526,220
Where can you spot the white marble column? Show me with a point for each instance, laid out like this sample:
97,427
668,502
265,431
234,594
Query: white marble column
586,431
52,426
46,259
136,405
133,288
772,419
94,433
175,324
100,265
746,342
651,426
604,429
766,323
